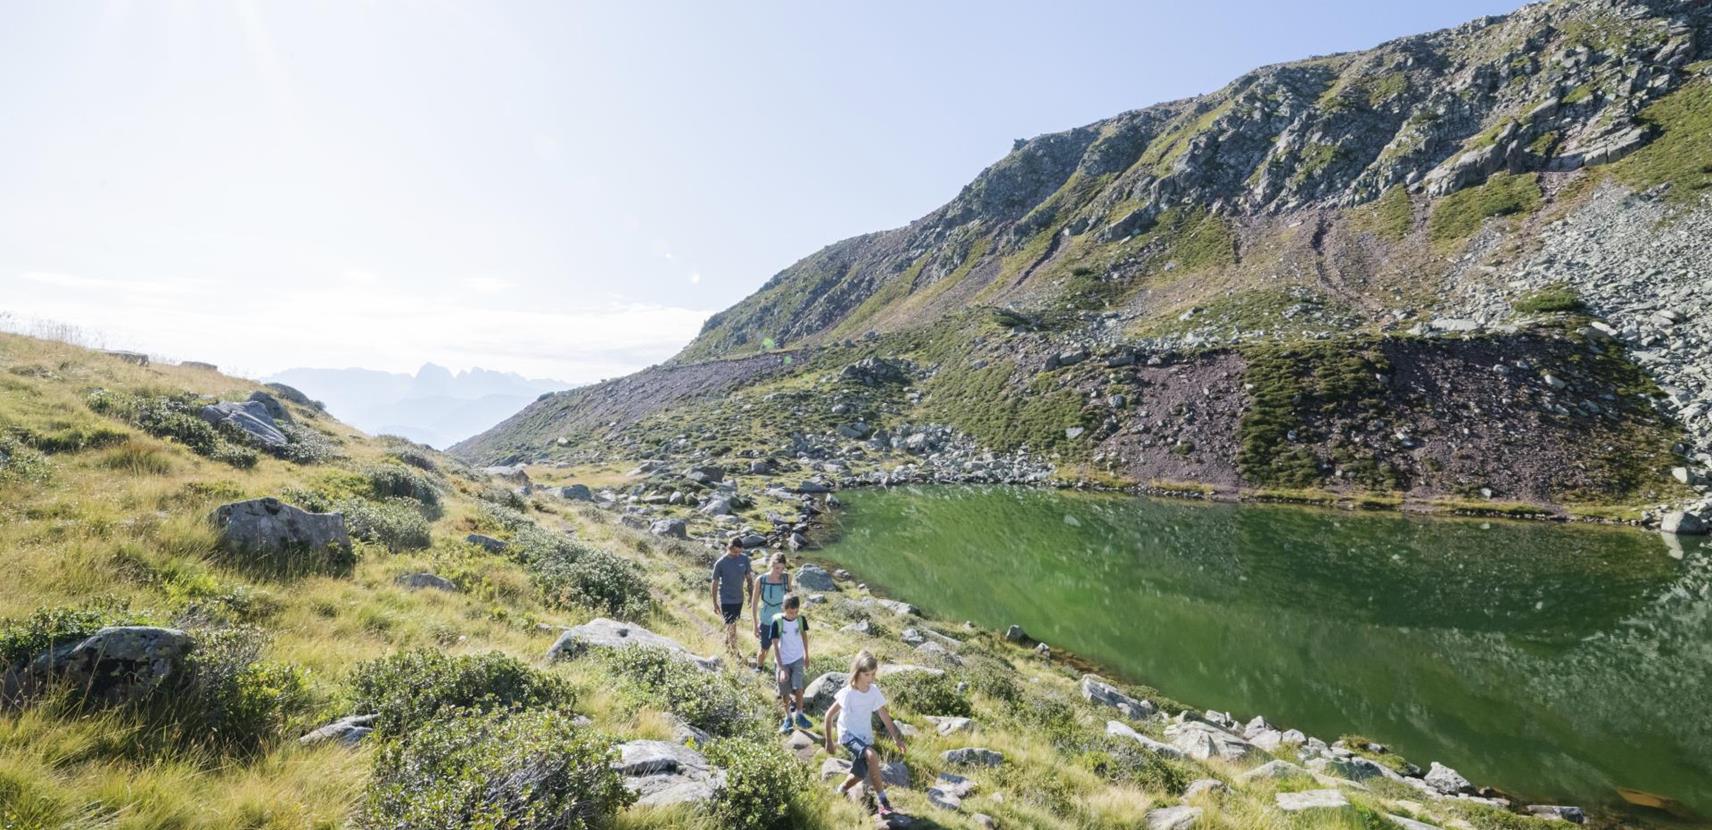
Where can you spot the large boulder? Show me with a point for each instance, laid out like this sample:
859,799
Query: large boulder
576,492
663,773
817,696
275,409
1099,692
1201,741
876,371
117,663
1447,780
1683,524
270,526
1118,729
813,577
670,528
290,393
1172,818
1311,800
973,756
251,419
604,633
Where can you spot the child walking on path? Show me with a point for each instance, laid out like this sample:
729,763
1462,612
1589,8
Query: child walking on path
852,713
767,601
788,632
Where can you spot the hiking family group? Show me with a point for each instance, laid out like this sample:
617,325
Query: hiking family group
777,616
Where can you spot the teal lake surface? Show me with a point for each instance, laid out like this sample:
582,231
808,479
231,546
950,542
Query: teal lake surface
1560,663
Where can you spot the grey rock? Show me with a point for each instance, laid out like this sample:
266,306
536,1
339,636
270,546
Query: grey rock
576,492
663,773
1207,786
949,725
1118,729
973,756
1447,780
1682,523
1274,770
488,543
1558,812
1015,634
1179,817
1311,800
347,731
289,393
604,633
1097,691
818,694
1201,741
812,577
250,419
117,663
670,528
275,409
417,581
270,526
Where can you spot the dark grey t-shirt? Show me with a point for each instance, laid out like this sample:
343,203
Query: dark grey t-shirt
732,574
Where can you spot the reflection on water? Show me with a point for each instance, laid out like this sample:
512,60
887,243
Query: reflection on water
1556,662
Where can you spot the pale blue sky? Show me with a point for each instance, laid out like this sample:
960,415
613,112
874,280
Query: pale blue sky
560,189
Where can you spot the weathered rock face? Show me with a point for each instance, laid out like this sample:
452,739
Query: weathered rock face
250,419
418,581
604,633
813,577
1095,690
1202,741
663,773
270,526
347,731
115,664
817,696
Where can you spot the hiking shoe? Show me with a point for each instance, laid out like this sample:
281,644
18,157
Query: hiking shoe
885,810
786,726
803,722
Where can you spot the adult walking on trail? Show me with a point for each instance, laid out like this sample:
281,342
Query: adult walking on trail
733,580
768,602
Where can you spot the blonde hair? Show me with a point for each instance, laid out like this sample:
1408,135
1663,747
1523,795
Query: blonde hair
864,661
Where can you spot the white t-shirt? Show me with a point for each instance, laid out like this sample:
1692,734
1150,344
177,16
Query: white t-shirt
856,712
788,633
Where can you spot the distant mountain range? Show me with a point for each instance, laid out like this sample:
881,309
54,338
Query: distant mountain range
435,406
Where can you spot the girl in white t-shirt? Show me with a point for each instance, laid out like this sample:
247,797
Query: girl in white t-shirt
851,719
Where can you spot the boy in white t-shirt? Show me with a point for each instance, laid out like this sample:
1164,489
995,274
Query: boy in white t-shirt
852,714
788,634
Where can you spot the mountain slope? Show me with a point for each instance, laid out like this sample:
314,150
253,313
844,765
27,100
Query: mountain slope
1377,200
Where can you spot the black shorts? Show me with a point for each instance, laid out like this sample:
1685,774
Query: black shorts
731,611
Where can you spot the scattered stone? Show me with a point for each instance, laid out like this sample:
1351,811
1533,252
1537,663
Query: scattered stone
1273,770
604,633
802,745
576,492
663,773
670,528
1201,741
817,696
1118,729
1209,786
270,526
812,577
418,581
1311,800
347,731
1557,812
1172,818
1447,780
489,543
1682,523
1097,691
949,725
1015,634
973,756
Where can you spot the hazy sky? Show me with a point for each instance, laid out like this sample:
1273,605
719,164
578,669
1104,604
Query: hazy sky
556,188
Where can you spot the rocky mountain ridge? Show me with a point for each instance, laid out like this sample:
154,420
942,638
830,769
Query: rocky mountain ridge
1477,185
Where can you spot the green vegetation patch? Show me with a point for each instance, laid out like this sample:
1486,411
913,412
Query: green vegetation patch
1393,214
531,770
986,404
1458,215
412,688
1554,298
174,417
711,701
1681,155
1290,384
763,786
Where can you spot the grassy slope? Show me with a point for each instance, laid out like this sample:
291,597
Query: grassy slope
97,529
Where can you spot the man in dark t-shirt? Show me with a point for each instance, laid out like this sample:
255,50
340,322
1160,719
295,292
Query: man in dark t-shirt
732,578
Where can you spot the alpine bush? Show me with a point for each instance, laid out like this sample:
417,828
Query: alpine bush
389,481
594,579
532,770
760,784
711,701
397,523
410,688
927,694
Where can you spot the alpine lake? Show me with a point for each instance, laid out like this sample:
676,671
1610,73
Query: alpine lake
1560,663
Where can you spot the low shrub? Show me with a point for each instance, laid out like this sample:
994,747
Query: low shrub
411,455
308,445
992,678
231,701
173,417
22,639
712,701
1122,760
926,694
20,462
761,784
1557,297
506,499
396,523
594,579
410,688
389,481
531,770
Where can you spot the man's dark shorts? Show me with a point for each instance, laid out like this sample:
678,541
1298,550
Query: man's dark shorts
731,611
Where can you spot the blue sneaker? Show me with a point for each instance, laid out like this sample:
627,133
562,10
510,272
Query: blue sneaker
803,722
785,727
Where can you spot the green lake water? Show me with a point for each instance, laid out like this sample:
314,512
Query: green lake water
1558,663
